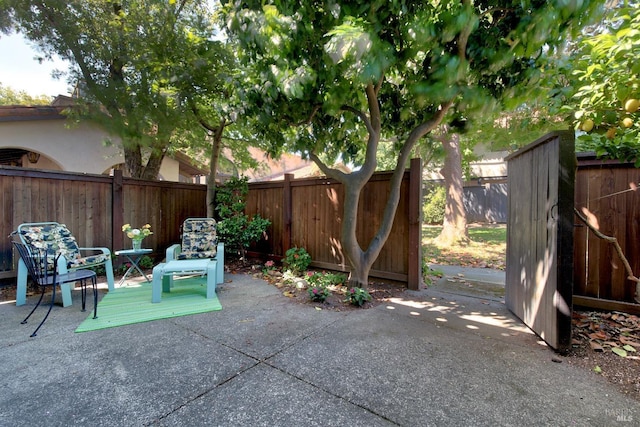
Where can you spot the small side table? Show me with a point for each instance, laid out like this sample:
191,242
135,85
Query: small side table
134,256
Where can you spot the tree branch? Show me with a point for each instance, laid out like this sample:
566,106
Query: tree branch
618,249
206,124
336,174
361,115
308,120
463,38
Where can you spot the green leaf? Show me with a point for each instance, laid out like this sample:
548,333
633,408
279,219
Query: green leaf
597,370
629,348
620,352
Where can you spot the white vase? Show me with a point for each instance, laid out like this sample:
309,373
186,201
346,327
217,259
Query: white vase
137,244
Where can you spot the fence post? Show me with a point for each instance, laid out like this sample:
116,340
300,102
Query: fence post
415,225
287,207
117,207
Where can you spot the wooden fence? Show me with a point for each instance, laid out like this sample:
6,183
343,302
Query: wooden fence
304,213
607,192
308,213
94,207
486,202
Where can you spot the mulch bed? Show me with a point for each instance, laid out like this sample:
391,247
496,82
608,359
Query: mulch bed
608,344
380,291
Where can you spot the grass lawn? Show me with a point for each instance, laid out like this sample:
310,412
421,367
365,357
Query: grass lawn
487,248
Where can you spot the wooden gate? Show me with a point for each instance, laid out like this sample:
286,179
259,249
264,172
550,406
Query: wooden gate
539,276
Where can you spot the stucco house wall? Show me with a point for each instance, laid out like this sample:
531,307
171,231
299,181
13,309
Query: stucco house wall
77,149
63,146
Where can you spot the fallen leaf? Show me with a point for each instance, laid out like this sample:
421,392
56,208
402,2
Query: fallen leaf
318,308
289,294
627,341
629,348
598,335
620,352
597,370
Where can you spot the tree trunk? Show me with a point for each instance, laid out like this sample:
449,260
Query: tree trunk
152,169
132,160
216,148
454,227
359,264
361,261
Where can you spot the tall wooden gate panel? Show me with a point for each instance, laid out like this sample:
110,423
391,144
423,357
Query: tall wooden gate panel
539,273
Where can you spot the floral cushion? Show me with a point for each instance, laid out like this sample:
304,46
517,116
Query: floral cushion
199,239
57,238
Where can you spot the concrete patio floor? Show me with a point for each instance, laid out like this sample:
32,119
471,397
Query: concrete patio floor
428,358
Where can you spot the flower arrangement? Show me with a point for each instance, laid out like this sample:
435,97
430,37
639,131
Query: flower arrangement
137,233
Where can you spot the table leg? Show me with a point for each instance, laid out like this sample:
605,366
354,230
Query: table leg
140,271
134,260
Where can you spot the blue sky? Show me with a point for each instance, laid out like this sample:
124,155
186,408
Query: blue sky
20,71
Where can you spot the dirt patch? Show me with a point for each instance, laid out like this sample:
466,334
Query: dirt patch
380,291
7,293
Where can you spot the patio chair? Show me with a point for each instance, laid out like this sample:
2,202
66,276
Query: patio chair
199,253
43,269
57,238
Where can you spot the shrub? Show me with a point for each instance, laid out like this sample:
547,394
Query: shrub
235,228
357,296
433,209
326,279
297,260
146,262
318,293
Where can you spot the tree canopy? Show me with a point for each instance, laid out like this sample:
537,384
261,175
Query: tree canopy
607,86
333,78
9,96
141,67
